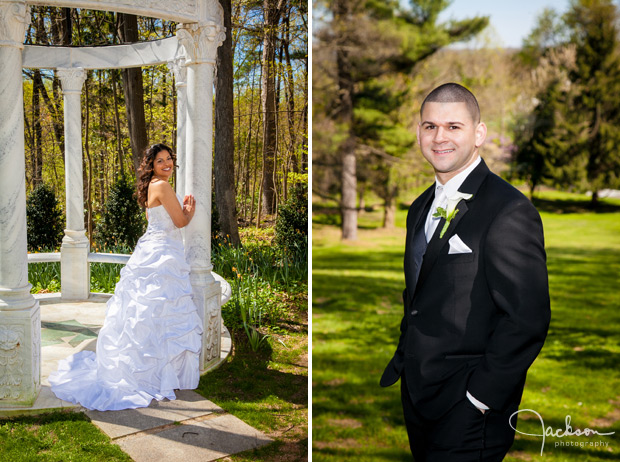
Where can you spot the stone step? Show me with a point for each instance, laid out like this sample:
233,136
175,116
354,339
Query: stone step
186,429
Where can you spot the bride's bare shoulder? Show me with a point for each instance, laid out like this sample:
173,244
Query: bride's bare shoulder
159,185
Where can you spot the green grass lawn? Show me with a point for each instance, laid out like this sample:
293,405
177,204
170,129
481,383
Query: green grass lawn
357,309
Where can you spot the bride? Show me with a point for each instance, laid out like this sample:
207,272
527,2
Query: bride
150,341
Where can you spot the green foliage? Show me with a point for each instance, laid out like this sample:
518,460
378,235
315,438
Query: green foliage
44,277
251,318
104,276
292,221
575,126
263,279
122,221
548,33
536,140
44,219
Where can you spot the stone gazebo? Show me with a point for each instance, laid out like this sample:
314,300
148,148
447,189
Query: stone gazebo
191,56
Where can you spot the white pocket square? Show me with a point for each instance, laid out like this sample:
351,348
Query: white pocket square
457,245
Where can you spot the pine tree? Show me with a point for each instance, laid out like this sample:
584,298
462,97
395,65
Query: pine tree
44,219
594,32
122,222
571,141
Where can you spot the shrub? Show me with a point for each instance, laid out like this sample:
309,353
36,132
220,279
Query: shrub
45,222
123,221
292,221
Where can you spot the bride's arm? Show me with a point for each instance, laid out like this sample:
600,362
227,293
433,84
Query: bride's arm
161,191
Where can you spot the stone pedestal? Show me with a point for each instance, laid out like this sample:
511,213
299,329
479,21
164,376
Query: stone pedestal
75,270
20,329
74,266
20,356
200,42
207,296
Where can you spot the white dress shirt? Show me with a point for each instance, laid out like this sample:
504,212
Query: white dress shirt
442,192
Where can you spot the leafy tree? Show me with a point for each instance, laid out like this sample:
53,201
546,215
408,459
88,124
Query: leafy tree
122,222
373,43
535,138
572,138
44,219
594,32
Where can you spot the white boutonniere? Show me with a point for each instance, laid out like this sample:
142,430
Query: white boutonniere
450,211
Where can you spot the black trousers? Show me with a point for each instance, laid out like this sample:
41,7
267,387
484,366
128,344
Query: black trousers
463,434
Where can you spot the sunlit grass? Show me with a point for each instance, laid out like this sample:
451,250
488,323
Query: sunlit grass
357,310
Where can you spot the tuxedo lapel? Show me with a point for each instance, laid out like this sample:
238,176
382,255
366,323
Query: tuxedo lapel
470,185
417,219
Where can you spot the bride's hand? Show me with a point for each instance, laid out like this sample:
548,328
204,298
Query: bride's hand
189,205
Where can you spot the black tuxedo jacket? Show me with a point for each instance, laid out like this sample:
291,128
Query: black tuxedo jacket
473,321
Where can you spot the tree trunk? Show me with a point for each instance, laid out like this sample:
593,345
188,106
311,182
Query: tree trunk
89,179
348,209
532,189
290,97
389,210
594,200
349,190
67,27
37,91
117,123
134,93
272,10
223,159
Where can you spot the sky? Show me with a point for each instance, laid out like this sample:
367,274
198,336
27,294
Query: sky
511,21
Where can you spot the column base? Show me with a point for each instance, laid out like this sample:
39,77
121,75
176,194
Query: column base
74,266
16,299
20,356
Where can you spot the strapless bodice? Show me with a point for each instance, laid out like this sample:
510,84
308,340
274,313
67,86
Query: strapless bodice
160,222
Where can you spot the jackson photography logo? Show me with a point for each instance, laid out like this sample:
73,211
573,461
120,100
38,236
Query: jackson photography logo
562,432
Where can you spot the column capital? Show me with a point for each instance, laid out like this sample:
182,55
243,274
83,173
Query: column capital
200,41
71,79
179,70
14,18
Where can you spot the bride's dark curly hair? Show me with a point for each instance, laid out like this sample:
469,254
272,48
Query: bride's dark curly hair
145,172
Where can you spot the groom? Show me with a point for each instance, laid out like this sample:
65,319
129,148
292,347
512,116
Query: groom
477,298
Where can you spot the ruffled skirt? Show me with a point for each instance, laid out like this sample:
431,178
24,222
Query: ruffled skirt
150,341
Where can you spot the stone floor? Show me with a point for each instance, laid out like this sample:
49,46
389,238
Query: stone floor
188,428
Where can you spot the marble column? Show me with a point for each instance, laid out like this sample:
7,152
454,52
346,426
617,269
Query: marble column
178,69
20,321
74,267
200,42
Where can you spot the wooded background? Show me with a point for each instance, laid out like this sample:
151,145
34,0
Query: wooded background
260,115
552,107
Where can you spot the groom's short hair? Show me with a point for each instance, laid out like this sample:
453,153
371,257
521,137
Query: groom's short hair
454,93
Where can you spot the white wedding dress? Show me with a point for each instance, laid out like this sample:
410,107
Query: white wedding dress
151,337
